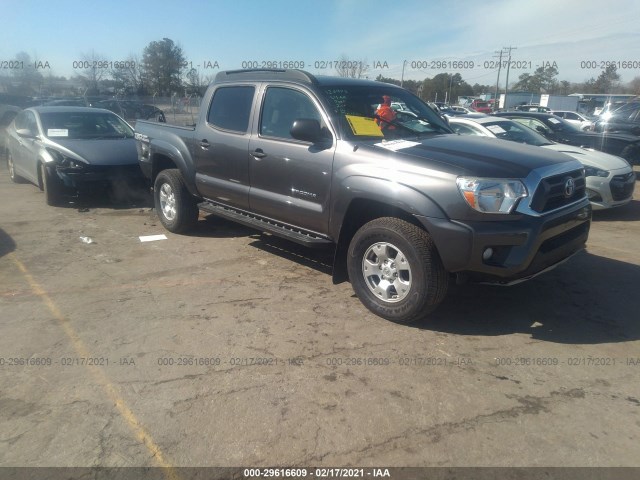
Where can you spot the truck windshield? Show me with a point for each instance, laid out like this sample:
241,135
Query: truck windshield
381,112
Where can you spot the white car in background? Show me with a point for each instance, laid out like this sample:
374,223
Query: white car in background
459,109
575,118
610,179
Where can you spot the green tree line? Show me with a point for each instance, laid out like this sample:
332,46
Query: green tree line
161,70
544,80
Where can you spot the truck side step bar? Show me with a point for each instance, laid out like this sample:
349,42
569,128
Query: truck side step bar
267,225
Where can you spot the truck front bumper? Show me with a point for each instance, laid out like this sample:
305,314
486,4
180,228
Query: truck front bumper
510,251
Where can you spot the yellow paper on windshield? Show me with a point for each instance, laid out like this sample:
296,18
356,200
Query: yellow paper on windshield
364,126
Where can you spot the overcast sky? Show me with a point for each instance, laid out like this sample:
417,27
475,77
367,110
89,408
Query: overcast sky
426,37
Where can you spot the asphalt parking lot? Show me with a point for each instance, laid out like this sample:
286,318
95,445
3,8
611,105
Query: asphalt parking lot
226,347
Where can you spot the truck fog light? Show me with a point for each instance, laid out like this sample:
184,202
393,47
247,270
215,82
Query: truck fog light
487,254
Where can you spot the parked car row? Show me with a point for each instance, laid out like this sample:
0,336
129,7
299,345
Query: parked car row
64,150
559,130
610,180
624,119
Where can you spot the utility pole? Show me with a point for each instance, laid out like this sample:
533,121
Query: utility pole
506,85
402,77
498,80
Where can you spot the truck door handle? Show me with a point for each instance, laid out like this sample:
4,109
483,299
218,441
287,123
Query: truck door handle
204,143
258,153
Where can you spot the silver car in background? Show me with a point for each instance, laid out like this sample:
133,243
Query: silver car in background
575,118
71,150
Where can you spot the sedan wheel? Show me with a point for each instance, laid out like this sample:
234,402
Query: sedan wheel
631,154
12,170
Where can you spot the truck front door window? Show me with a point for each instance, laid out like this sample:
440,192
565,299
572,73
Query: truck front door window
281,107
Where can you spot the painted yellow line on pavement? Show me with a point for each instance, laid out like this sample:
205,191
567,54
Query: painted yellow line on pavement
140,433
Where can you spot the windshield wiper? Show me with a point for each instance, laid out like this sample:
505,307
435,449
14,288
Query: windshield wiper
432,125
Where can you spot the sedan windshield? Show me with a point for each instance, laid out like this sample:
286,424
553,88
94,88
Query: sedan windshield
561,125
84,125
513,131
381,112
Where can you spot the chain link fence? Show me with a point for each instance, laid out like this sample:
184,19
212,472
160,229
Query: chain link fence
177,110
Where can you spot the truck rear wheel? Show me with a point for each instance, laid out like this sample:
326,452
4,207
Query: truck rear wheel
176,207
395,270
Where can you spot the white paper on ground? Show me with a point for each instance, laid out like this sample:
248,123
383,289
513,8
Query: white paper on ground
152,238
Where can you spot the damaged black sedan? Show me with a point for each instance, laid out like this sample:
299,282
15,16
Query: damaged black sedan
70,150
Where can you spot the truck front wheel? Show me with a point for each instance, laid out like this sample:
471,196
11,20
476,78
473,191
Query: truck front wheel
395,270
176,207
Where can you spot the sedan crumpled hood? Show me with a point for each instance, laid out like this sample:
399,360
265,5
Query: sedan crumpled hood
593,158
113,151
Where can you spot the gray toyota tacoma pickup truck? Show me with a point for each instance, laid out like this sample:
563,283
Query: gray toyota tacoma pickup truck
368,169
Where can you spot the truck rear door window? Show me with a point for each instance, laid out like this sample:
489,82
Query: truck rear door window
231,108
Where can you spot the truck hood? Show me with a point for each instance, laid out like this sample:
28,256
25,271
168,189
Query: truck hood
113,151
590,157
466,155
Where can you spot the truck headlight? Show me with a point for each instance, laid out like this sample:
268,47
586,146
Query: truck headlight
491,195
595,172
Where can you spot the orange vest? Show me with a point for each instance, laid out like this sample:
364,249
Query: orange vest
386,114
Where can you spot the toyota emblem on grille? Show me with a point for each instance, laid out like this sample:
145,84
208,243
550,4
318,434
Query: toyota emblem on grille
569,187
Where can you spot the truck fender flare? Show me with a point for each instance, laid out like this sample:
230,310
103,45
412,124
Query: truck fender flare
166,149
393,195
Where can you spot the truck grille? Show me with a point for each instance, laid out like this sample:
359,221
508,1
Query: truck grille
622,186
551,193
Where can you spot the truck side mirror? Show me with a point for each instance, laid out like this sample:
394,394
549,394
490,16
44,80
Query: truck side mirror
307,130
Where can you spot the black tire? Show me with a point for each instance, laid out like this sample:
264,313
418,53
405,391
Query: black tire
421,270
631,153
175,206
51,187
12,172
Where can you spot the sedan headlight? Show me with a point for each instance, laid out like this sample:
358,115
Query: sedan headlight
63,161
595,172
491,195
